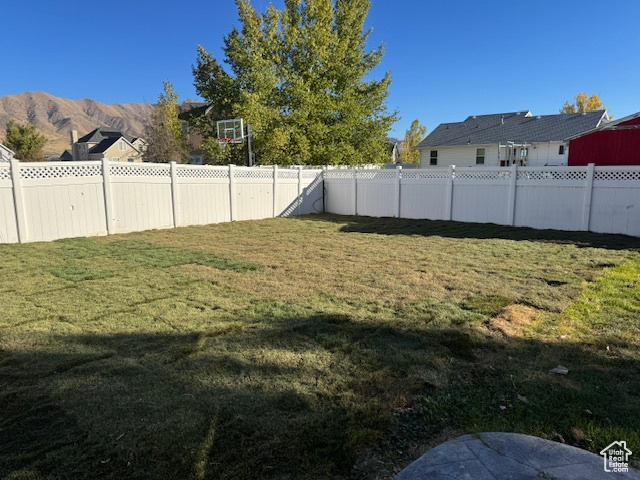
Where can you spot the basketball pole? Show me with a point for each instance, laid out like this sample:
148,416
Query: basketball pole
249,158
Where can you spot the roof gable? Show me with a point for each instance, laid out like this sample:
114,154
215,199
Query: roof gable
520,127
99,134
107,143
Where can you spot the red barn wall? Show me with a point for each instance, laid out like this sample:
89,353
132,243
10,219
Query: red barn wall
606,147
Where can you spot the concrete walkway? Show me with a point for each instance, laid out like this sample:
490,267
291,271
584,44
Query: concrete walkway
509,456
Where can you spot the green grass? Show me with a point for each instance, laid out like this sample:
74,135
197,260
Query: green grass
309,348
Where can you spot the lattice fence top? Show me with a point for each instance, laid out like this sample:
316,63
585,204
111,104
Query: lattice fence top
139,170
287,174
462,174
425,174
5,172
552,175
253,173
200,172
376,174
617,175
61,171
344,174
311,173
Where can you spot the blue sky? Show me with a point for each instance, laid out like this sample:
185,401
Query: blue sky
448,59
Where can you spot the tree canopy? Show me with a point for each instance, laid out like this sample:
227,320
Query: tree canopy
163,133
300,77
25,141
412,137
583,103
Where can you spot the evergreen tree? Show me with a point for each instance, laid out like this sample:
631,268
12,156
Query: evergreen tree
297,76
25,141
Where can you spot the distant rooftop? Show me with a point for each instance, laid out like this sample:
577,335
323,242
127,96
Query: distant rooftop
520,127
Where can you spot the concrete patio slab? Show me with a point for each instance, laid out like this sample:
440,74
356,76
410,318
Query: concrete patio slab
509,456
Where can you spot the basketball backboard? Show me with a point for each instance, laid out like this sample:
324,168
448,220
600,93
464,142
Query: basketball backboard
232,129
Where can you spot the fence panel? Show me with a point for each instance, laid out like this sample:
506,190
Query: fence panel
615,201
377,193
253,193
550,197
203,195
62,200
480,195
142,198
422,194
340,192
8,225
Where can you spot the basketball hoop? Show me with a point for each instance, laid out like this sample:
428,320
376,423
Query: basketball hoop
223,142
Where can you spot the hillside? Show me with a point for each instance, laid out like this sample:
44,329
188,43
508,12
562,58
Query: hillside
56,117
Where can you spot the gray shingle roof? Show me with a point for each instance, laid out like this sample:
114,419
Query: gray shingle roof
518,127
104,144
100,134
66,156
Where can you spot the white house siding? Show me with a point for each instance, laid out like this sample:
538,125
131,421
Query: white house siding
539,155
542,154
463,156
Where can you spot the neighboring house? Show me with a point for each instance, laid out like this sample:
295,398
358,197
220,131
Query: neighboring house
104,143
187,113
503,139
66,156
614,143
6,154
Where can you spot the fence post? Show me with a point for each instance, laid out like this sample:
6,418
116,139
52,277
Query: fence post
448,200
398,191
175,201
18,201
355,191
511,203
588,191
232,192
275,189
108,200
299,205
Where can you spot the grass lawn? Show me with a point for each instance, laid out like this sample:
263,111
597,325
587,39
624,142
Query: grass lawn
309,348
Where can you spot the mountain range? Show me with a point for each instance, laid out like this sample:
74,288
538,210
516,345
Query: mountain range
55,117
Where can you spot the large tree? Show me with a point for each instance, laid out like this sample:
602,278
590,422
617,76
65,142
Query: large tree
412,137
25,141
583,103
300,77
164,135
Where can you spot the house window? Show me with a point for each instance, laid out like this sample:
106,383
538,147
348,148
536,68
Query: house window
115,159
122,146
433,158
479,156
195,159
561,150
130,159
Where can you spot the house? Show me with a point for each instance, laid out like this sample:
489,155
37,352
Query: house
614,143
6,155
503,139
188,113
66,156
105,143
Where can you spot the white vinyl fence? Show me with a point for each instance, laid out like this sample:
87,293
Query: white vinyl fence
598,199
48,201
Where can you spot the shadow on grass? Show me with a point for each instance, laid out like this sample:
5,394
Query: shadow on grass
302,397
481,231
